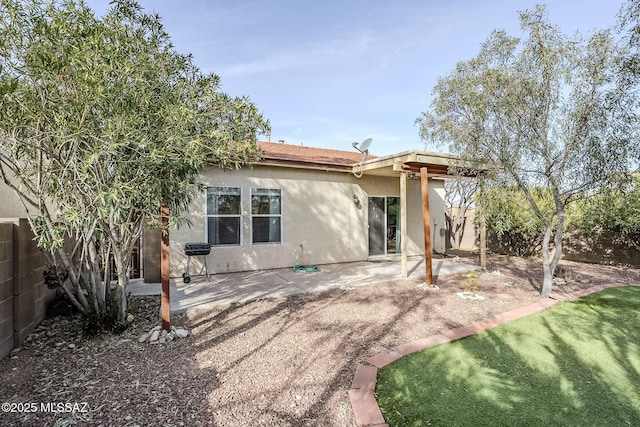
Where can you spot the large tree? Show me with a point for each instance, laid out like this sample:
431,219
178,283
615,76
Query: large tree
546,110
101,122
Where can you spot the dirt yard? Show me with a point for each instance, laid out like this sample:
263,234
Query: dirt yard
276,362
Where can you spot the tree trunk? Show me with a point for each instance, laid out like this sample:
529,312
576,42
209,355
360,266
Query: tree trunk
74,301
76,296
99,281
459,224
550,264
120,297
557,243
449,223
547,281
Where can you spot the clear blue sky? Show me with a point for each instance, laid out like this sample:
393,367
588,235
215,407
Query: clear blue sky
327,73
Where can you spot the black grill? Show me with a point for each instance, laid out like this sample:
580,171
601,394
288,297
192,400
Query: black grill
196,249
191,249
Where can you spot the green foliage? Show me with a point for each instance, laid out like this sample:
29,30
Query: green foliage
507,209
509,216
120,115
629,26
104,120
617,210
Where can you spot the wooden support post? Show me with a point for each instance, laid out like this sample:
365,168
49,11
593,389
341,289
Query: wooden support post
483,230
165,269
403,223
426,217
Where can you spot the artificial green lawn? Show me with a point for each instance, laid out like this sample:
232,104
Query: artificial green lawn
575,364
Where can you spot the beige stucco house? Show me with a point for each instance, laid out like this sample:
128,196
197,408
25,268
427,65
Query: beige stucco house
315,206
305,205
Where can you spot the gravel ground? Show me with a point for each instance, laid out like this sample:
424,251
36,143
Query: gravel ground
274,362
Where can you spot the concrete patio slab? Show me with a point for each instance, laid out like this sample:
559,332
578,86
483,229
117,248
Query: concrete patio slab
228,288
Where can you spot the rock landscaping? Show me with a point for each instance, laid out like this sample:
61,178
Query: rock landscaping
274,362
157,335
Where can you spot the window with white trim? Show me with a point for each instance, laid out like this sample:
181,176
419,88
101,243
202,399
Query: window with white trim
266,215
224,216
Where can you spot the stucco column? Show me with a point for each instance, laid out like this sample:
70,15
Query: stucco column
403,223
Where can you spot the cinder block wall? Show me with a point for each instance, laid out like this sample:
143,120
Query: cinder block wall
23,295
31,295
6,288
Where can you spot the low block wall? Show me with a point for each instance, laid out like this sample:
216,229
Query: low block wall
23,295
6,288
602,248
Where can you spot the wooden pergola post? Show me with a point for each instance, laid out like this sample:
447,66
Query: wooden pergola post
483,229
426,217
403,223
165,269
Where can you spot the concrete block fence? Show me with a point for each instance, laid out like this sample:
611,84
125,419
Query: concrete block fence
23,295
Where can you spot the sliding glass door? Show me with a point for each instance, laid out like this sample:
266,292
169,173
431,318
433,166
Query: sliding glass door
384,225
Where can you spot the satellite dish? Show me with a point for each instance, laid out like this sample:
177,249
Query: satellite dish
364,147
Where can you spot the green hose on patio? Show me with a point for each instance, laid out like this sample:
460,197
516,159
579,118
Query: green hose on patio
302,268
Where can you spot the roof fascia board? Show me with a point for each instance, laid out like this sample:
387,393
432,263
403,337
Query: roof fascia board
304,165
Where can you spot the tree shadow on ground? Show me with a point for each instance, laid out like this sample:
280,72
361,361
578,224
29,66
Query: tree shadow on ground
292,396
112,379
579,365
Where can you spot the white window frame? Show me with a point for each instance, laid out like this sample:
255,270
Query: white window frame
240,217
280,215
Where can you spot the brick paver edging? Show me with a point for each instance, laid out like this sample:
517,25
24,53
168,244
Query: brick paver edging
363,401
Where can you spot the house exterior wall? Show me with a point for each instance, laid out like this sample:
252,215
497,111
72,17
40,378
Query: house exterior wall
318,212
11,206
437,213
470,234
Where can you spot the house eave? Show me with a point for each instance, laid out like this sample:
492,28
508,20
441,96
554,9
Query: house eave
437,164
305,165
